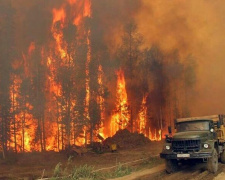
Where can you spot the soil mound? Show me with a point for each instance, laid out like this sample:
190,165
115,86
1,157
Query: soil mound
125,139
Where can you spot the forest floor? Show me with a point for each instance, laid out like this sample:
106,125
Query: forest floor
36,165
140,163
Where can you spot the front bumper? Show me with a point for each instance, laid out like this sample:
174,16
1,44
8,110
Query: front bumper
193,155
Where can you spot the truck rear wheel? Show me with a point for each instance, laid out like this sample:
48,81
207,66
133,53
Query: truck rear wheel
171,165
222,157
212,164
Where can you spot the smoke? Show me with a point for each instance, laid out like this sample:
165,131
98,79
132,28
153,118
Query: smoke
110,16
195,27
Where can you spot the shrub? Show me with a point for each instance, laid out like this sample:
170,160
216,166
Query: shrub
83,172
58,170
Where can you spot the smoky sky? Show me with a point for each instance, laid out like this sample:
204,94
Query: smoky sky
195,27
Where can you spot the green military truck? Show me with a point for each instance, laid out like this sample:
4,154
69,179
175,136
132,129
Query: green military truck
198,139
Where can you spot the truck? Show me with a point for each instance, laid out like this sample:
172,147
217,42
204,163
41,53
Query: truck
196,139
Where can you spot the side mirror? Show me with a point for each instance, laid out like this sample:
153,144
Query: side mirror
218,125
169,130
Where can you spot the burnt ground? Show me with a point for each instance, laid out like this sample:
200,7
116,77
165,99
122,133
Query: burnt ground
32,165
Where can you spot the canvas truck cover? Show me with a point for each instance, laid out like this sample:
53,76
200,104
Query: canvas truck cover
215,118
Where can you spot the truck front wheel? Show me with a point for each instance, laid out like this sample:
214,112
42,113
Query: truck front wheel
171,165
212,164
222,157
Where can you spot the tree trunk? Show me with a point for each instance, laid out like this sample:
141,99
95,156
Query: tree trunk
62,129
68,123
58,128
14,121
40,133
23,130
43,131
91,134
3,139
131,121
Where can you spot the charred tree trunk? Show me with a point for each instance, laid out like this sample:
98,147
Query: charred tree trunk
40,134
58,128
131,121
69,85
68,124
14,120
62,131
23,130
43,131
3,139
91,133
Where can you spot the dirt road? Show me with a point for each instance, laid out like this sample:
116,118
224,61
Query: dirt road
196,172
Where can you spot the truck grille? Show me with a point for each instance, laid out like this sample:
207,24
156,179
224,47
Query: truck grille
186,145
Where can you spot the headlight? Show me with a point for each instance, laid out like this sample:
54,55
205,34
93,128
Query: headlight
167,147
206,146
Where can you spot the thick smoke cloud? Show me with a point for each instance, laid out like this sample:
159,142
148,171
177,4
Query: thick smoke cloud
195,27
110,16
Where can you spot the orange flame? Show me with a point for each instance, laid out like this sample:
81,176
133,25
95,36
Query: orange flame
143,116
120,119
86,10
157,136
58,15
101,100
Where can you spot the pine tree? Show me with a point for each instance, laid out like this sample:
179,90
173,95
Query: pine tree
129,55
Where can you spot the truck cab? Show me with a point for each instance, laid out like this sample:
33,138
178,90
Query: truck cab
197,138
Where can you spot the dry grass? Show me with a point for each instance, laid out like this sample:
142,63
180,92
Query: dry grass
33,164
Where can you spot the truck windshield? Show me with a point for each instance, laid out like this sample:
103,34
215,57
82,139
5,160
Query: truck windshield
193,126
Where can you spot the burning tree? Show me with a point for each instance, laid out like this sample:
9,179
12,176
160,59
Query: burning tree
130,55
77,76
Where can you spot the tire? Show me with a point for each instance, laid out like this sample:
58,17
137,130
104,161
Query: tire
212,164
222,157
171,165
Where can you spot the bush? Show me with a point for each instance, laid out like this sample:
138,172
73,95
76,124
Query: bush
83,172
58,170
121,171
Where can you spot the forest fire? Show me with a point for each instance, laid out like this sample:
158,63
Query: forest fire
64,50
68,86
87,83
